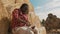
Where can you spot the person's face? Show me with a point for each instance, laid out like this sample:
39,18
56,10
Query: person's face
25,9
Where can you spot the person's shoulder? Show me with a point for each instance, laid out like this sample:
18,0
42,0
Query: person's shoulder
15,10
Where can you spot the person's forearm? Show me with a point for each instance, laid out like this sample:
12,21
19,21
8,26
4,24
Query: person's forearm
21,20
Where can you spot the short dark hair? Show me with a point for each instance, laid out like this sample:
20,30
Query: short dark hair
24,7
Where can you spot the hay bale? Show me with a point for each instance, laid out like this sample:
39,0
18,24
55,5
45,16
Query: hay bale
6,8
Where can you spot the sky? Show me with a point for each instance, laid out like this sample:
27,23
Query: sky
44,7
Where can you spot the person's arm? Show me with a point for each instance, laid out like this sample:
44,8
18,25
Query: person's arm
24,21
14,18
21,20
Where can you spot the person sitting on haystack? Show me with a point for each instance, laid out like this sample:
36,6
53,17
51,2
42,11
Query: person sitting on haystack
20,23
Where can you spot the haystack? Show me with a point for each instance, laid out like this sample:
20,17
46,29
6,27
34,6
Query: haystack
6,8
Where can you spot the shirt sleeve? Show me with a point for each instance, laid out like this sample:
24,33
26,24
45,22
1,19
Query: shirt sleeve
14,18
15,13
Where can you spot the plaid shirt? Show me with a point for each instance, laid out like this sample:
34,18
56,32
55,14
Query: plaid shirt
16,14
